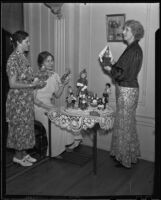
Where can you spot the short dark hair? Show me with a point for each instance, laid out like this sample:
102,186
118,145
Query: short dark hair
42,57
136,28
18,36
108,84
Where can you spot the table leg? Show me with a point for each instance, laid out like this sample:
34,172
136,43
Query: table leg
49,129
95,128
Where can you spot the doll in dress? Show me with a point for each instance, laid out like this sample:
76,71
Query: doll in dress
70,99
83,102
106,94
82,83
100,104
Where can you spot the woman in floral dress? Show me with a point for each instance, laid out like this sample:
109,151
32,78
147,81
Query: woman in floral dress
20,101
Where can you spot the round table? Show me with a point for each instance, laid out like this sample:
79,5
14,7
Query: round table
75,120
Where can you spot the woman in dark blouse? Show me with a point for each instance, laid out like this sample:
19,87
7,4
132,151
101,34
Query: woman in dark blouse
125,147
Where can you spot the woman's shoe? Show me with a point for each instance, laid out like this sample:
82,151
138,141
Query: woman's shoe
23,162
69,149
30,159
77,143
119,165
58,157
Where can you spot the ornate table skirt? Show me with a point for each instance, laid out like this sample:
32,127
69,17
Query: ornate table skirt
77,121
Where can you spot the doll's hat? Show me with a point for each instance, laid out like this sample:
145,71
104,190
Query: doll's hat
83,72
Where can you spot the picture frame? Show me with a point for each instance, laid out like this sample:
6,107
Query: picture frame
114,27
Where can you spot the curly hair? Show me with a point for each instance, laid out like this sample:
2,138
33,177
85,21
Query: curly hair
18,36
136,28
42,57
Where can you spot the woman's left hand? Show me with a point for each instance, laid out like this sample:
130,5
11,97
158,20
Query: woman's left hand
107,68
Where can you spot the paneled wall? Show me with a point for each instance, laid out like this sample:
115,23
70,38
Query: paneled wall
39,22
83,33
47,33
12,17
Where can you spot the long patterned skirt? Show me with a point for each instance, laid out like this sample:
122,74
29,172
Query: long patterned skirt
125,145
20,118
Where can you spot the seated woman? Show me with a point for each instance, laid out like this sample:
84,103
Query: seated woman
60,139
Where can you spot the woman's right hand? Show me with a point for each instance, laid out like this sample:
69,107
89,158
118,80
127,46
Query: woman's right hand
38,84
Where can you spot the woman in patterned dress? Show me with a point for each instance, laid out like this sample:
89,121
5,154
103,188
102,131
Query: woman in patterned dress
61,140
20,101
125,147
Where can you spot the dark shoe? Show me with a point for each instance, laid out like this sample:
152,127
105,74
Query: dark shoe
119,165
69,149
59,157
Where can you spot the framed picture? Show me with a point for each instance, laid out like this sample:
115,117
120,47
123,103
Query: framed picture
114,27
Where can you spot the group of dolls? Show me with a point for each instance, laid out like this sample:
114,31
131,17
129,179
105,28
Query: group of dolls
83,98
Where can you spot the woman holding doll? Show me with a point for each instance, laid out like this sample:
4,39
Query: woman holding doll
125,147
61,140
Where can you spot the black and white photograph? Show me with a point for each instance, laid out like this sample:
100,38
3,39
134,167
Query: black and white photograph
80,100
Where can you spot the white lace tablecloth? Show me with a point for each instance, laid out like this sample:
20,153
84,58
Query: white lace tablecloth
75,120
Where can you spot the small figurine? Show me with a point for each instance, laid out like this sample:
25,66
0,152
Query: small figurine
66,75
90,97
106,94
100,104
94,100
70,99
105,56
82,83
83,103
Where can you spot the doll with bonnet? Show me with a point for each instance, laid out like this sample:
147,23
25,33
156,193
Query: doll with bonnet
82,83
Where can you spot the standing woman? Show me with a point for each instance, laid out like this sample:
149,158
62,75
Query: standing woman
20,101
125,147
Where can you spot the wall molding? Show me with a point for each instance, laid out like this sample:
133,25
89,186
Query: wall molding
59,48
40,17
145,121
49,21
142,102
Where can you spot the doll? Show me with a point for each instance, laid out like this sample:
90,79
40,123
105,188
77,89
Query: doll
106,94
42,74
67,74
106,57
94,102
83,103
70,99
82,83
100,104
90,97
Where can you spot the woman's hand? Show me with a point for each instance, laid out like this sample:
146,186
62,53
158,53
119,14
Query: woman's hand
107,68
38,84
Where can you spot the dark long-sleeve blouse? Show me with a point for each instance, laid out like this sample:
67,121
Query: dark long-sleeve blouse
126,69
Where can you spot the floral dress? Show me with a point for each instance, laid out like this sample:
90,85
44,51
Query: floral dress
20,105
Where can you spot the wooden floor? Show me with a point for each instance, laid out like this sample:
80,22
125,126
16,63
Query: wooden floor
58,177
